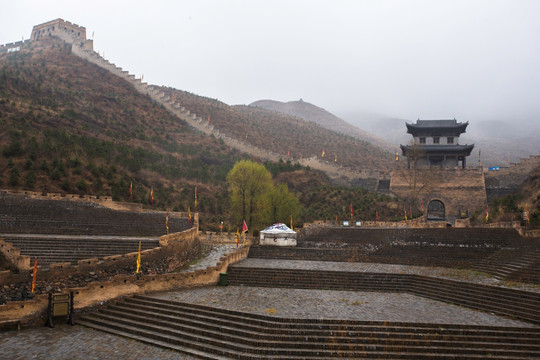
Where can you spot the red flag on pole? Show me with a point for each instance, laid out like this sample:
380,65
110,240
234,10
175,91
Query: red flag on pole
351,210
167,222
152,196
34,274
244,227
189,215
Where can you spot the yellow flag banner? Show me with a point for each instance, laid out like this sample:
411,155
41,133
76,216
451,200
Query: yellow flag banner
138,259
34,274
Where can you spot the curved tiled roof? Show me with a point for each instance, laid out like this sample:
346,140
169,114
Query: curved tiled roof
430,126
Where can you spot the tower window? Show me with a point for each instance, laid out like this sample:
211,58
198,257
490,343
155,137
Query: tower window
435,140
422,140
450,140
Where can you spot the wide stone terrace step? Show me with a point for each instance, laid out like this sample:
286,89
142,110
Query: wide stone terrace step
503,301
212,333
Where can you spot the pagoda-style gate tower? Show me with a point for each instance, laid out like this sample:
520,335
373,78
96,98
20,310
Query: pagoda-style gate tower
435,179
436,144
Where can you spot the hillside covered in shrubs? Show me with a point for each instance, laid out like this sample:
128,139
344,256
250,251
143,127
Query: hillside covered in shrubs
68,126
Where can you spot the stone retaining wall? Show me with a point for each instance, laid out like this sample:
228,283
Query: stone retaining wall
21,313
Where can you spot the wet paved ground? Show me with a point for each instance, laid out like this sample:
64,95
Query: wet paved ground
326,304
67,342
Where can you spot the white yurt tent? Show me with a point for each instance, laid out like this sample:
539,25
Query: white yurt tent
278,234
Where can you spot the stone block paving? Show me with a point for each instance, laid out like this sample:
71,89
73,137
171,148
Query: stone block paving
65,342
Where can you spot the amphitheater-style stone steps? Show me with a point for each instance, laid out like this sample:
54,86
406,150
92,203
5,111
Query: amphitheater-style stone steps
22,215
53,249
211,333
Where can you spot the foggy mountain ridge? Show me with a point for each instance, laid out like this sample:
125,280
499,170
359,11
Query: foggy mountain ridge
498,142
322,117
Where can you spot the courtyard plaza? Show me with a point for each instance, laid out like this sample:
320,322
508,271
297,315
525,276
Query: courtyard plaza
79,342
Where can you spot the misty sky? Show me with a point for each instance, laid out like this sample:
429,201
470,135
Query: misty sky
472,60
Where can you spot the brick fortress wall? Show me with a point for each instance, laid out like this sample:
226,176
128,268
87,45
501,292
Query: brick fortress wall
458,189
508,180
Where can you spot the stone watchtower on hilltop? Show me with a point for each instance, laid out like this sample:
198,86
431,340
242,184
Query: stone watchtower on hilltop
436,144
69,32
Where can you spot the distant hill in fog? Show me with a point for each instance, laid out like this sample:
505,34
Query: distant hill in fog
320,116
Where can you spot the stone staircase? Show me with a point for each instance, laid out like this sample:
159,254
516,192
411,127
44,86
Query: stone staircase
59,249
519,264
57,231
22,215
211,333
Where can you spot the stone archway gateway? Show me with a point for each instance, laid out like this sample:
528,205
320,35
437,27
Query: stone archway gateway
436,211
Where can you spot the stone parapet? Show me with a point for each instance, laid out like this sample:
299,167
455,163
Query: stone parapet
13,256
29,312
